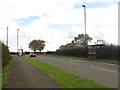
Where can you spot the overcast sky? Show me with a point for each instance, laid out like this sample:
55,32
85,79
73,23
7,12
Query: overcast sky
57,22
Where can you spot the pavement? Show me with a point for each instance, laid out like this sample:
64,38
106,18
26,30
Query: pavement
100,72
23,75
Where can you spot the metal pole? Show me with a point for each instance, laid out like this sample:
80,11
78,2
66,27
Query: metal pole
28,43
84,17
85,21
17,40
7,38
86,48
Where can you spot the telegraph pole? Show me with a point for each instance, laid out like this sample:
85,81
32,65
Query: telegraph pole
7,38
17,40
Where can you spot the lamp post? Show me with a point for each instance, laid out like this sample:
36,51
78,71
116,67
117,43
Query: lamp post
17,40
84,21
86,48
29,42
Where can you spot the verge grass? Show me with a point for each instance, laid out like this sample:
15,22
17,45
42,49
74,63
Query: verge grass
61,77
0,79
5,72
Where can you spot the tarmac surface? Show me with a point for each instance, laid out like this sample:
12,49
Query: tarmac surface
104,73
24,75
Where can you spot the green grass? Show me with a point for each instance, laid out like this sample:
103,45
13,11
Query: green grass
5,72
63,78
0,79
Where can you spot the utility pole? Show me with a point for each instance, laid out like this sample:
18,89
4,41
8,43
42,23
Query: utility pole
17,40
7,38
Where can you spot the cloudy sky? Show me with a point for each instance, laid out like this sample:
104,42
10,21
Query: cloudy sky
57,22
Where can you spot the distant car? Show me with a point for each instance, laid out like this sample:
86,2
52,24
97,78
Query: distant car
32,55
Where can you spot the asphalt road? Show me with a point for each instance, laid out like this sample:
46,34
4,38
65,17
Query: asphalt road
100,72
23,75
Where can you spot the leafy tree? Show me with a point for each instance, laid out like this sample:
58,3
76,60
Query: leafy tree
82,39
37,45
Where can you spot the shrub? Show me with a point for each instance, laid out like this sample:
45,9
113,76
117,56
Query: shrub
50,52
103,52
74,51
107,52
5,55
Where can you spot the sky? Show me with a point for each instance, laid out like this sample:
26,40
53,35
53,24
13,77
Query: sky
57,22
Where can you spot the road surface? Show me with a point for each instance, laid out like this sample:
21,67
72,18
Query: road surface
100,72
23,75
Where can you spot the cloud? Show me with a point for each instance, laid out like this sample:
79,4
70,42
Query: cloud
59,26
59,21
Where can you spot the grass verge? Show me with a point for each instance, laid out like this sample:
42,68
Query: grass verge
5,72
0,79
61,77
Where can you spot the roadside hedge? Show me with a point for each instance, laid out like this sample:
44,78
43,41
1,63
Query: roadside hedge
107,52
75,51
103,52
5,55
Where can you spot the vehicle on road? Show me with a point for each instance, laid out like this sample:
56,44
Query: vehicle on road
32,55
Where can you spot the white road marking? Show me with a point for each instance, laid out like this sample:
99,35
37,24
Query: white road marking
111,64
104,69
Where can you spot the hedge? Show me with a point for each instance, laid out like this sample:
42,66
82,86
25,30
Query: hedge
75,51
5,55
107,52
103,52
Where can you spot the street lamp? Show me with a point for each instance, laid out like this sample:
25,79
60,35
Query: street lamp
29,42
17,40
84,20
85,27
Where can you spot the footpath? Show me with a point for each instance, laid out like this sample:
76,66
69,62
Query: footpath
24,75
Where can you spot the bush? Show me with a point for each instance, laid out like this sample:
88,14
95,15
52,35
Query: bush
50,52
103,52
74,51
5,56
107,52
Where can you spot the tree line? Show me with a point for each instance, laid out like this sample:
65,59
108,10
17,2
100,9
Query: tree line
79,47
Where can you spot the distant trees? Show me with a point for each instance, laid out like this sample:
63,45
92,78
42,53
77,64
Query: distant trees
80,41
77,48
37,45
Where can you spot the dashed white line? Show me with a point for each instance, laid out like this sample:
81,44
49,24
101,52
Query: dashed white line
104,69
111,64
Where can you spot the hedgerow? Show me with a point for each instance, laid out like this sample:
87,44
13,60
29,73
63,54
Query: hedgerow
103,52
5,55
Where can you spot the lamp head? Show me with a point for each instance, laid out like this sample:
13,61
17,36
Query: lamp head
83,5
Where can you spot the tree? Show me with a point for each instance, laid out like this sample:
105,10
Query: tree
82,39
37,45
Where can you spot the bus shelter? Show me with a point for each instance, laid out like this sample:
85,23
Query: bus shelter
92,51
